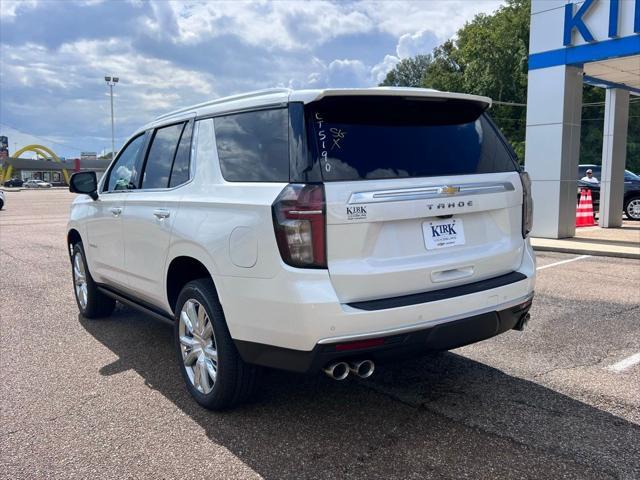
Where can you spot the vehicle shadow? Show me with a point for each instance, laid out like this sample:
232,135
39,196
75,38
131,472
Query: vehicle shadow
442,416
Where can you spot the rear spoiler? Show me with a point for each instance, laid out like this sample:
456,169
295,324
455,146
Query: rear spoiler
308,96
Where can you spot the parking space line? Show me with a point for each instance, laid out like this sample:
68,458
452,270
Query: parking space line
622,365
563,261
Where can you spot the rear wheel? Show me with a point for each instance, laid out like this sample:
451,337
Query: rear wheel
632,208
213,371
91,302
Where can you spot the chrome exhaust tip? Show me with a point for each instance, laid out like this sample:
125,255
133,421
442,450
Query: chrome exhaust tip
337,371
522,322
363,368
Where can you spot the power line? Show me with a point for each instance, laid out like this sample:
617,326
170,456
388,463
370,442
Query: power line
511,104
591,104
583,119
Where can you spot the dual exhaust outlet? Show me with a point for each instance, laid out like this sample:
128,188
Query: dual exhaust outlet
341,370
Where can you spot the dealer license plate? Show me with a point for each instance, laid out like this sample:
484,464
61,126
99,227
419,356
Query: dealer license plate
443,233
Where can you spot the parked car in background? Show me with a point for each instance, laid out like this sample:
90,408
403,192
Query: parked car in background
313,230
13,182
2,199
36,184
631,202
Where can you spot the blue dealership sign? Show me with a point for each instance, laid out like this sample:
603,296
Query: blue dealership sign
575,19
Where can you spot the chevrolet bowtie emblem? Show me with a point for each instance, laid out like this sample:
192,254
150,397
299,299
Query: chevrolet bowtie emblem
449,190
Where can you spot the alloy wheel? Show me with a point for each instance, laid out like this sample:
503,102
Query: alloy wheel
633,209
80,280
198,345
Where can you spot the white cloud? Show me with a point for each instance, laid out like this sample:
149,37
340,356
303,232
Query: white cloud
442,17
133,68
409,45
337,73
293,25
419,43
283,25
380,70
164,24
19,139
174,53
148,86
10,8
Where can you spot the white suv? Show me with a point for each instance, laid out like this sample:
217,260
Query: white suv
309,230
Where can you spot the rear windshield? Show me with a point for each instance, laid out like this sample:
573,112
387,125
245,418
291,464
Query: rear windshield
364,138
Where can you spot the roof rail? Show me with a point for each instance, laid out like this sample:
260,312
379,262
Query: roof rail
218,101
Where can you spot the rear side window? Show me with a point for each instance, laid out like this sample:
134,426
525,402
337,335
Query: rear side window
253,146
124,174
180,169
395,137
160,157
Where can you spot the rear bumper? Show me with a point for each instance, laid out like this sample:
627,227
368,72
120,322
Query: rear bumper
443,336
299,308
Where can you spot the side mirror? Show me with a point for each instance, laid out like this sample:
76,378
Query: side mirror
84,182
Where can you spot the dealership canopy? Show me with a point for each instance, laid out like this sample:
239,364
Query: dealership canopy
576,41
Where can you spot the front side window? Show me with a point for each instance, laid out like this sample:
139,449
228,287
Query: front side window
160,157
124,174
254,146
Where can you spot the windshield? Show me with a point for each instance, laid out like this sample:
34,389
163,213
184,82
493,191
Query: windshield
631,176
362,138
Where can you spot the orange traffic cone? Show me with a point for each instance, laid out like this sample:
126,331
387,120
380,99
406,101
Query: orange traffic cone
584,214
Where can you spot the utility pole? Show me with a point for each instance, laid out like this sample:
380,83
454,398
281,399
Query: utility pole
111,81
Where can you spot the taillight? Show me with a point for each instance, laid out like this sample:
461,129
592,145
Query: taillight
527,204
299,223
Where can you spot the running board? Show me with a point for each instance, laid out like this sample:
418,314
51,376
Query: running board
137,305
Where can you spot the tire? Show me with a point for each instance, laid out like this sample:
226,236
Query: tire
1,204
211,366
91,302
632,208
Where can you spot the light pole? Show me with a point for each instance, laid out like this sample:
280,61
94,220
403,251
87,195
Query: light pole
111,81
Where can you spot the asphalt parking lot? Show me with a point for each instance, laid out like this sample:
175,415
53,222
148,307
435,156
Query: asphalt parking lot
105,399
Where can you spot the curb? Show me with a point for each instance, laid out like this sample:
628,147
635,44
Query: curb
587,251
21,189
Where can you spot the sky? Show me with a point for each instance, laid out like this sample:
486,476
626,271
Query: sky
54,55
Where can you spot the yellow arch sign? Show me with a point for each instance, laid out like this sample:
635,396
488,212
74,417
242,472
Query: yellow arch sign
41,151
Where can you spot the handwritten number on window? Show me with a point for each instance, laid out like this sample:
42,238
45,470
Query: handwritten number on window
322,137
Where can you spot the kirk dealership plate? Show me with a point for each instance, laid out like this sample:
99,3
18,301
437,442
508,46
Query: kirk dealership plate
443,233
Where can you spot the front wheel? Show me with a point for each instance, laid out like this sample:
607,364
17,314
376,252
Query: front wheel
211,366
92,303
632,208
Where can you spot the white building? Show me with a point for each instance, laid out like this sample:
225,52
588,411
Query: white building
576,41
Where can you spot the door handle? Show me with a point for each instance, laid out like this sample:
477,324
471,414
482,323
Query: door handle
453,274
161,213
116,211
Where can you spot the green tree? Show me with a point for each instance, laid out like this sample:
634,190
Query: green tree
633,136
592,125
489,56
409,72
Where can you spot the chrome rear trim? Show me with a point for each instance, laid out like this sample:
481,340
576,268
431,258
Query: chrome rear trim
435,191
